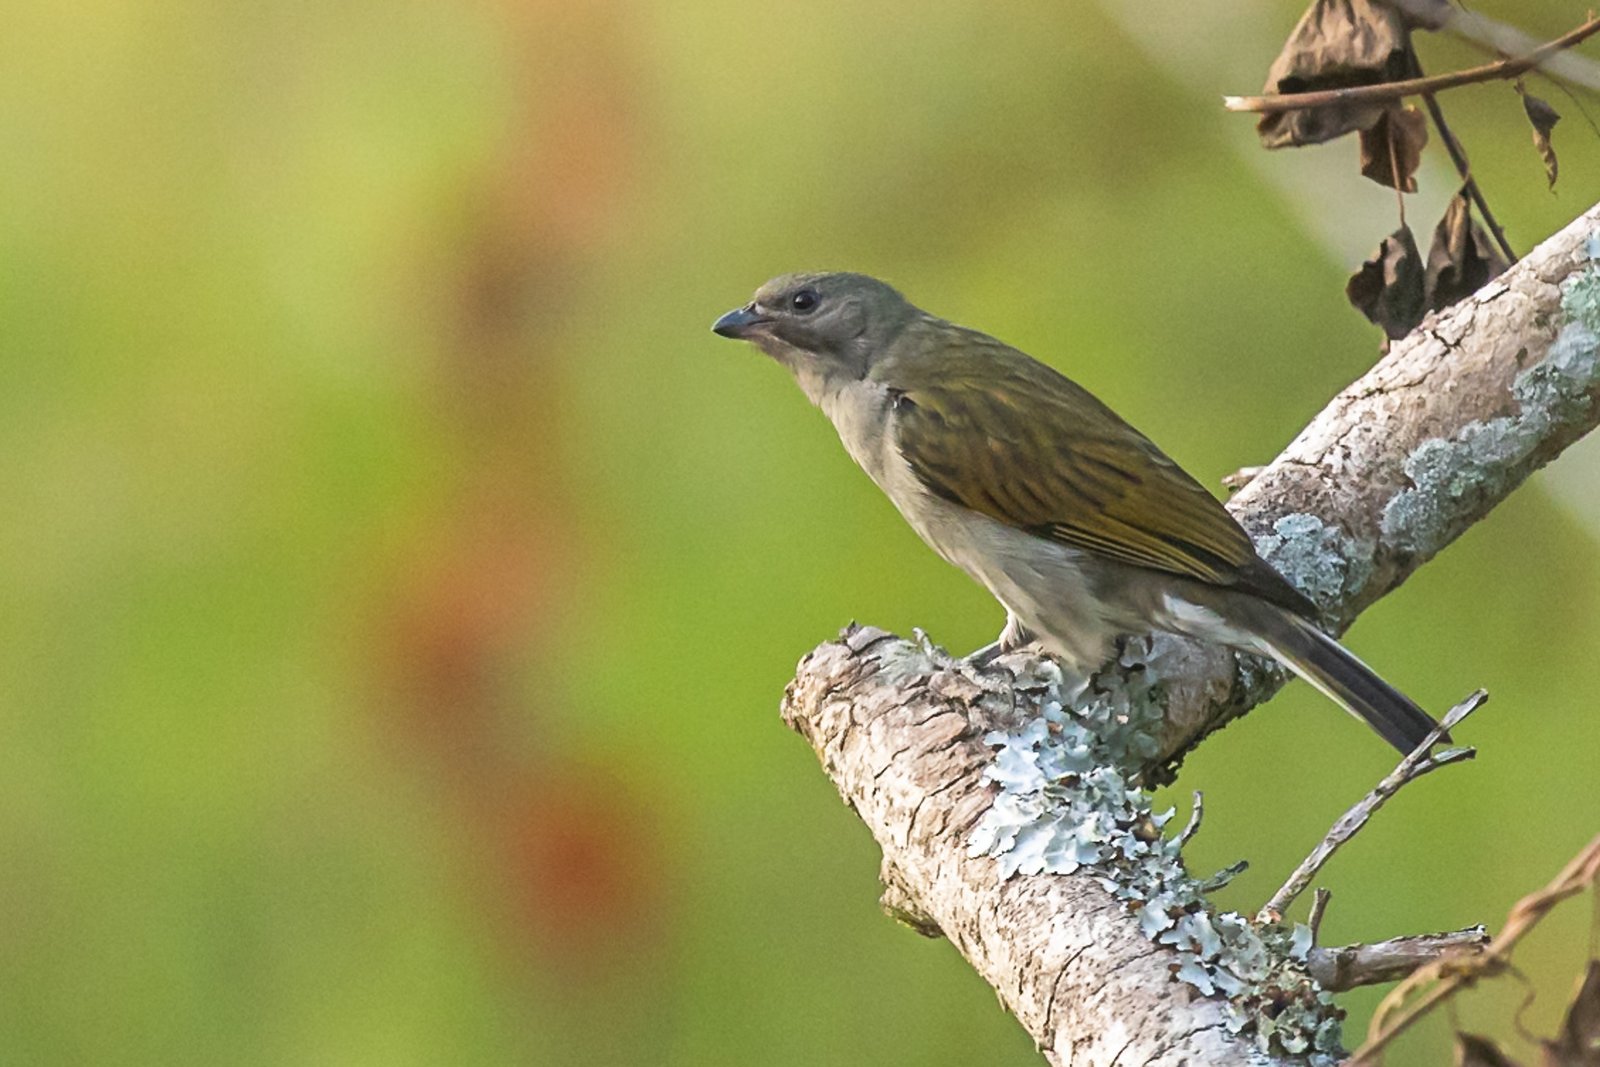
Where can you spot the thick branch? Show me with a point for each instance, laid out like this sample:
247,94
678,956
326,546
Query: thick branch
903,739
1397,466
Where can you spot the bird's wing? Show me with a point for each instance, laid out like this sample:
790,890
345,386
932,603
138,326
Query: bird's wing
983,427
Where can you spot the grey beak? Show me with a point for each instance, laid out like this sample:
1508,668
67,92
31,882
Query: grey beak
738,322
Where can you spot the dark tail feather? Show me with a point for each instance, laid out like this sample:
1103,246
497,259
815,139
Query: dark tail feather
1333,669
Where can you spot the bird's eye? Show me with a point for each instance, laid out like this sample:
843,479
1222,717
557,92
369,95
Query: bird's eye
804,300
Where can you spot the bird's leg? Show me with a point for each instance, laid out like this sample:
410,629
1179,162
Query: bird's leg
1011,638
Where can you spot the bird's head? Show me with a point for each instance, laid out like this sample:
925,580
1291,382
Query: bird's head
826,326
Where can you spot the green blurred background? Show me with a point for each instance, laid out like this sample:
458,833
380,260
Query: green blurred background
400,580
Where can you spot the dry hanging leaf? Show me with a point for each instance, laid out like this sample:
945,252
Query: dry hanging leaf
1337,43
1388,289
1462,259
1578,1044
1392,148
1544,119
1475,1051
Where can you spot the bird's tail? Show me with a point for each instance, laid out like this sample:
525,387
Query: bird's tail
1334,670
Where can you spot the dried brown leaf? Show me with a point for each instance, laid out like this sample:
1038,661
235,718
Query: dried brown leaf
1462,259
1388,289
1543,118
1337,43
1578,1043
1392,148
1473,1050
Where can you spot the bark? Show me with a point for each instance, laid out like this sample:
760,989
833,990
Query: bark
1444,427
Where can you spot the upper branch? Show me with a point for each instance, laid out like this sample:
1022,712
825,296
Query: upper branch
1399,464
1388,91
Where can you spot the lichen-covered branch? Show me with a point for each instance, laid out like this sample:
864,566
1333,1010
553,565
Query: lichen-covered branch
1120,961
903,737
1062,889
1399,464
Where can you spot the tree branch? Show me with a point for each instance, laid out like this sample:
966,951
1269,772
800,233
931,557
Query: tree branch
1458,158
1351,966
1398,465
1502,39
1390,91
1413,766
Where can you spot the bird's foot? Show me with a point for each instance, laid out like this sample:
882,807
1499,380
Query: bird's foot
985,656
983,667
982,662
1012,637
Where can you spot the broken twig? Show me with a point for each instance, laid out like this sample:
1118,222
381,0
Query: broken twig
1414,766
1350,966
1197,814
1319,905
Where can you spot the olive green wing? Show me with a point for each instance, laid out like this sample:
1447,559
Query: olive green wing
987,427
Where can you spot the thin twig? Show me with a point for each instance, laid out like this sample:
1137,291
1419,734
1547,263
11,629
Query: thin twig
1394,1016
1319,905
1418,763
1383,92
1469,184
1394,173
1499,38
1241,477
1194,819
1349,966
1458,157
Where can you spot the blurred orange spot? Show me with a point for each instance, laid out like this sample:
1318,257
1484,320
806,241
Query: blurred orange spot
577,850
584,854
461,622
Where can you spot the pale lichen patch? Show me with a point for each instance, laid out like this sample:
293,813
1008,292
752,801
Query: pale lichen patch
1320,560
1065,806
1456,477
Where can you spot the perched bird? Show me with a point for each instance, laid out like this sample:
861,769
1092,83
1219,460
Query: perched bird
1080,526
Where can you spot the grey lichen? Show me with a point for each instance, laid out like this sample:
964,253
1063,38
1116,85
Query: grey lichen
1581,299
1453,478
1320,560
1066,806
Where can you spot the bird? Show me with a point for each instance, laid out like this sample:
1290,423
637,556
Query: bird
1080,527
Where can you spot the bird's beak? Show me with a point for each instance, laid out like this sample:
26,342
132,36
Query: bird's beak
738,323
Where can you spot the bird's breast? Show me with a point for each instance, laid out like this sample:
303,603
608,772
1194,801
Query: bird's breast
860,411
863,413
